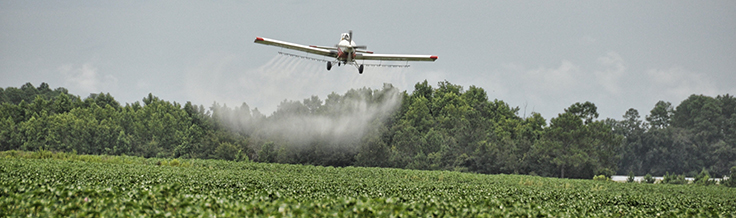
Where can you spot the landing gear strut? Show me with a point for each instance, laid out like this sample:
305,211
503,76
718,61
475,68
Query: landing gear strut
329,66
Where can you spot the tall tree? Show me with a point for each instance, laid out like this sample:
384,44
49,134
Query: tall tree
586,111
578,146
634,150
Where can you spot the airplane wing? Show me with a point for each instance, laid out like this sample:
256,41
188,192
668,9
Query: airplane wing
323,47
395,57
294,46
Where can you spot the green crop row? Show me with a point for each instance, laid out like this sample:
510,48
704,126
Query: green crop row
68,187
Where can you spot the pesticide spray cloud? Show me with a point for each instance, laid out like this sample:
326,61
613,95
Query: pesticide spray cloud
339,121
343,120
336,125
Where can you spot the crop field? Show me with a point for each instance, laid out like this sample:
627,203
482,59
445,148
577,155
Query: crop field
79,185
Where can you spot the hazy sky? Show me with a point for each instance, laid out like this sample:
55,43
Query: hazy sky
541,56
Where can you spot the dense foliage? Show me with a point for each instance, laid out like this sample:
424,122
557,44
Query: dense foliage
65,184
433,128
698,134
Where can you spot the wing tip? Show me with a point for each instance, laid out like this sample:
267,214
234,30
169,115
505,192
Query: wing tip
258,39
433,57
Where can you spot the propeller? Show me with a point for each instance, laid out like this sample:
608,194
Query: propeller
350,33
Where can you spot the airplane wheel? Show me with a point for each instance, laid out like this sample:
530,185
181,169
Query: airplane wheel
329,66
360,69
338,63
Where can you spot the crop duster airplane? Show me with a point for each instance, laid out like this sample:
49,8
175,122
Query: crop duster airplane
346,52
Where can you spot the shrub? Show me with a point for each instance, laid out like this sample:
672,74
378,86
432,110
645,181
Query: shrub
649,179
703,178
674,179
631,177
667,178
605,172
601,178
11,153
226,151
42,154
174,163
242,156
731,181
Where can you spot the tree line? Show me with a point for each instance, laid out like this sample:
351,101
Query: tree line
432,128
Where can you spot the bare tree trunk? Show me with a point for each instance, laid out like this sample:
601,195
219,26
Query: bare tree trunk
562,168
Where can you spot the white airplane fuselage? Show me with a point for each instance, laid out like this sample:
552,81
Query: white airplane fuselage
345,51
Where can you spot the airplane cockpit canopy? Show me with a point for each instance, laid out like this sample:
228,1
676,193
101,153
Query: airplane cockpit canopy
345,36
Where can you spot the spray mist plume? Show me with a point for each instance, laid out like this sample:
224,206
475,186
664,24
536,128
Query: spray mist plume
338,123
